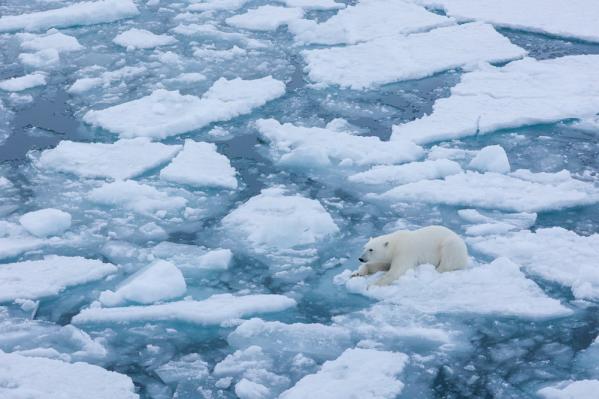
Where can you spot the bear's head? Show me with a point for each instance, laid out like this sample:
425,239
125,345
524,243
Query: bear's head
377,249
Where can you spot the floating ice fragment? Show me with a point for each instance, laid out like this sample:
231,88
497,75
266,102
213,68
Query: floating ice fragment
583,389
140,38
42,59
46,222
23,82
214,5
265,18
491,159
53,39
407,173
192,257
314,4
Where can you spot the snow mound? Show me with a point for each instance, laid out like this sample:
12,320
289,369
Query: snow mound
363,373
23,82
140,38
524,92
46,222
200,165
167,113
265,18
394,58
38,378
41,278
215,310
120,160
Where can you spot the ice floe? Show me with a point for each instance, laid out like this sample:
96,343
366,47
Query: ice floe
172,113
119,160
524,92
520,191
192,257
495,222
407,173
363,373
265,18
215,310
46,222
53,39
355,24
38,378
142,39
83,13
200,165
583,389
23,82
491,159
394,58
49,276
215,5
555,254
105,79
314,4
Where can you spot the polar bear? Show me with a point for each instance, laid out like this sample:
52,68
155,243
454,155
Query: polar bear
402,250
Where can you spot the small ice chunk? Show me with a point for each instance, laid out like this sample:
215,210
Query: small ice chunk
217,259
394,58
246,389
41,278
160,281
497,222
555,254
216,5
37,378
525,92
167,113
215,310
237,363
583,389
314,4
42,59
15,246
492,158
200,165
53,39
355,24
187,368
123,159
82,13
140,198
515,192
140,38
265,18
23,82
363,373
193,257
46,222
313,147
273,219
106,78
407,173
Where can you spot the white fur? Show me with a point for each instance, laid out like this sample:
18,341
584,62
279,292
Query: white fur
398,252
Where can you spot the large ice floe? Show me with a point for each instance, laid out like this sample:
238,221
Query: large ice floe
394,58
172,113
524,92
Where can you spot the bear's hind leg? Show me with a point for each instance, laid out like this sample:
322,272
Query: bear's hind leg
454,255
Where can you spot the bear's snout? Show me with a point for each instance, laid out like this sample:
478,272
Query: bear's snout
361,259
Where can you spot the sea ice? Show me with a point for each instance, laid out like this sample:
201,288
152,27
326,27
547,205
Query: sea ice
215,310
38,378
495,223
265,18
274,219
407,173
53,39
200,165
394,58
46,222
555,254
160,281
41,278
524,92
356,24
106,78
314,4
363,373
215,5
43,59
142,39
166,113
23,82
491,159
123,159
583,389
192,257
83,13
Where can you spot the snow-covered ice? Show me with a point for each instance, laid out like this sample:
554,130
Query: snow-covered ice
524,92
584,389
394,58
46,222
314,4
23,82
265,18
172,113
49,276
142,39
407,173
200,165
192,257
491,159
53,39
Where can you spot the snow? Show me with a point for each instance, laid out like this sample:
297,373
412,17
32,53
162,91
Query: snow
363,373
200,165
555,254
46,222
515,192
491,158
316,147
395,58
49,276
574,19
524,92
82,13
138,197
142,39
407,173
274,219
122,159
314,4
167,113
265,18
355,24
215,310
583,389
38,378
160,281
23,82
497,288
313,339
53,39
192,257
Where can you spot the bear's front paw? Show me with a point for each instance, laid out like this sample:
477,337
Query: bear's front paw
357,273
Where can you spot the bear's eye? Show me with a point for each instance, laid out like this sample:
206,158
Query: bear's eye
370,250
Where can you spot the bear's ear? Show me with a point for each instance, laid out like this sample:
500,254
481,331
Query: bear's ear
386,243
